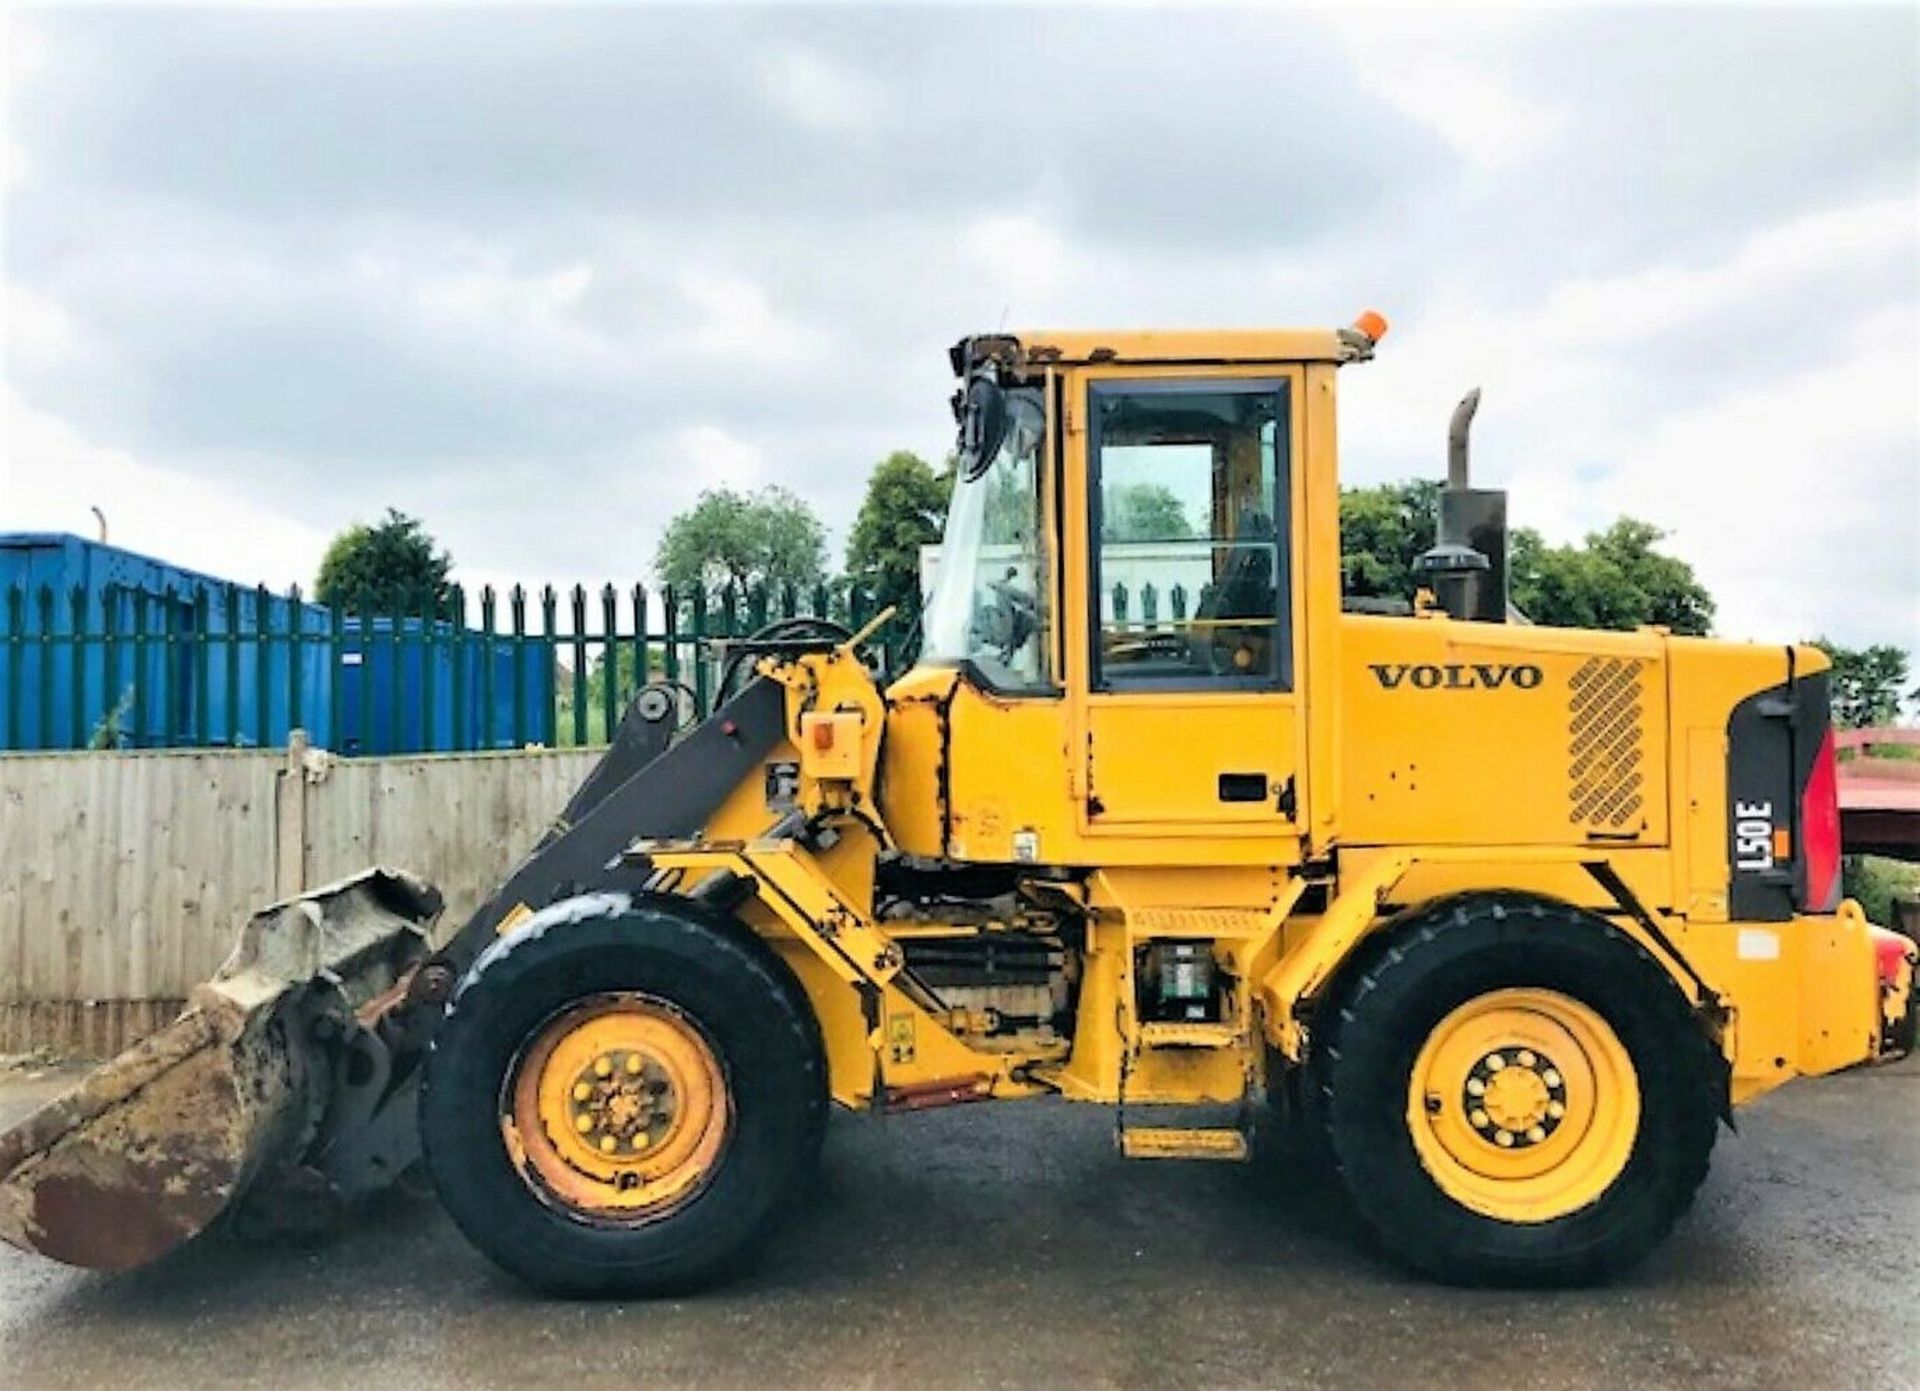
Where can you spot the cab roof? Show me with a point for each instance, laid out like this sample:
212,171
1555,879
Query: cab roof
1040,346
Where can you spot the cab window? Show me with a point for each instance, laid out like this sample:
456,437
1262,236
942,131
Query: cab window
1190,573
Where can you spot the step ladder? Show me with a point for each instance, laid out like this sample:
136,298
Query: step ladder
1184,1142
1214,1141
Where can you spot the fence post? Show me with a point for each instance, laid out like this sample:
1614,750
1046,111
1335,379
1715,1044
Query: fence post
670,607
517,602
134,731
16,650
429,646
262,667
232,627
701,648
396,688
642,664
296,668
462,725
77,670
171,721
610,688
578,604
487,616
45,597
290,819
202,659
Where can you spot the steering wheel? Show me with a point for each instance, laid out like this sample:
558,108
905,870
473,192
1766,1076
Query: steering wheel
1234,651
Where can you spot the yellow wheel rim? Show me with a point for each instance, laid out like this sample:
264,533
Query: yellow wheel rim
617,1108
1524,1105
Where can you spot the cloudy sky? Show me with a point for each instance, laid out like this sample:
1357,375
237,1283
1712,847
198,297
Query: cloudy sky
541,275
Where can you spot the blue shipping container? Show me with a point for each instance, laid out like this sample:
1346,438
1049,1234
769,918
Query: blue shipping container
421,689
166,656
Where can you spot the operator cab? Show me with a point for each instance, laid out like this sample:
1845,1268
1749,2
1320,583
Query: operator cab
1190,518
1126,549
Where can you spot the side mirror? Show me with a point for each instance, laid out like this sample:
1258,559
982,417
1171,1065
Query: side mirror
983,426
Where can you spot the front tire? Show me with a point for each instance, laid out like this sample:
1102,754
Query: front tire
623,1097
1515,1093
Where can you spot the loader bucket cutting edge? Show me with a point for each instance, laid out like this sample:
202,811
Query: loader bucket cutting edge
151,1148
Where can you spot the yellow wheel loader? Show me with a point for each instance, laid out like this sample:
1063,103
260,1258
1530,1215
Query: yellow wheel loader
1502,921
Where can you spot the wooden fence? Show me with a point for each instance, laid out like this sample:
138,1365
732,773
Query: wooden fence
124,877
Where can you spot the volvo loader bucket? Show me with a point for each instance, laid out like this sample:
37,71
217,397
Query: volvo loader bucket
150,1149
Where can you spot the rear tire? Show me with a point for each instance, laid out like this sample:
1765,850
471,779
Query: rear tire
725,1066
1500,1017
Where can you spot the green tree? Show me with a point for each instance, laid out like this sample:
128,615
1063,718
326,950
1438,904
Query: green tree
392,566
1383,530
1612,579
1876,883
1867,683
767,538
1630,582
1143,512
1615,579
904,509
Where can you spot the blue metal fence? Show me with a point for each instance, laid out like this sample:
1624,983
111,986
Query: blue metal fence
120,665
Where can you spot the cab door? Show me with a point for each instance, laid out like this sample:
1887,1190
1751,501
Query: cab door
1192,723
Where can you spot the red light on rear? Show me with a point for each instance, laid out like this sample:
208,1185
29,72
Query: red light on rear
1820,833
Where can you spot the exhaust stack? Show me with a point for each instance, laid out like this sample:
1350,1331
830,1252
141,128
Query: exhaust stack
1467,567
1457,429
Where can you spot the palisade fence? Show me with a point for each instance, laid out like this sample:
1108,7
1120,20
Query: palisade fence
213,666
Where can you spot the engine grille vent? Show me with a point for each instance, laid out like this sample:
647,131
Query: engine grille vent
1606,750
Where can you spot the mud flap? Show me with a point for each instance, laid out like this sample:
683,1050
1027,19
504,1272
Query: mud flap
150,1149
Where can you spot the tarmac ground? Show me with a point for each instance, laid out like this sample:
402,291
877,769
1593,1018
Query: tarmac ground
1007,1245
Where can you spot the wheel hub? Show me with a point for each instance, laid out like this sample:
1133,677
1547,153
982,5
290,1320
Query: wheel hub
1523,1104
623,1104
617,1108
1515,1098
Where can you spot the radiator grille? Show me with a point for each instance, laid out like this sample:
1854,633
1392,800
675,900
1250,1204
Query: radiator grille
1606,752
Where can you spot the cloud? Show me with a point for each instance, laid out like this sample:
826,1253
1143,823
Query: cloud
737,321
817,90
1022,253
53,478
1414,63
717,459
540,278
1830,510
